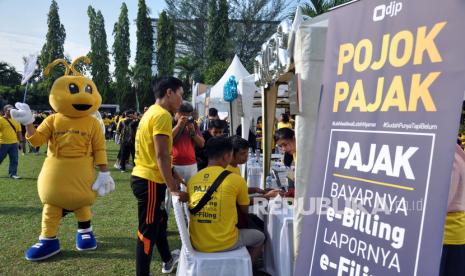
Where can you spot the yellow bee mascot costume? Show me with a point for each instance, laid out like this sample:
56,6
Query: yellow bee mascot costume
76,144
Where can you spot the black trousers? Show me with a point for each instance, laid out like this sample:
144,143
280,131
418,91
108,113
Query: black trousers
126,150
452,260
153,221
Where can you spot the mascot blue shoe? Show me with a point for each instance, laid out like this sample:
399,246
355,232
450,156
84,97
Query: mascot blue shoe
44,249
85,240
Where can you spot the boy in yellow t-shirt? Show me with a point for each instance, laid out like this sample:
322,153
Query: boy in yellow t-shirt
152,175
213,228
10,134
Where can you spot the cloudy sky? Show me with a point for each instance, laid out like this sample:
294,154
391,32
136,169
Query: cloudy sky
23,25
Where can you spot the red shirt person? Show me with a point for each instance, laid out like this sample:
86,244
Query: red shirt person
186,136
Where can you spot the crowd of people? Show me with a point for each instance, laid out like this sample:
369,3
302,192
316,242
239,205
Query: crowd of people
175,154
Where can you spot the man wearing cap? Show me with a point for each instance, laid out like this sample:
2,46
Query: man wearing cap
10,135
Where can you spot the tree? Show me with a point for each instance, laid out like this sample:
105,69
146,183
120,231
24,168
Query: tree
54,45
189,69
8,75
317,7
144,55
223,30
250,24
11,95
190,19
213,42
121,54
218,32
166,45
10,85
99,55
214,73
256,21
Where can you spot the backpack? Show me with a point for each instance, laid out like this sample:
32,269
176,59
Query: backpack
127,132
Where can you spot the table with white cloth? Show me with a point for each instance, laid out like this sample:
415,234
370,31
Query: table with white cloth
279,245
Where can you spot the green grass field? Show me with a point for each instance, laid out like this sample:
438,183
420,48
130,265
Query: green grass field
114,223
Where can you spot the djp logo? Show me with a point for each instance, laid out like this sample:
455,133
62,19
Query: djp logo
381,11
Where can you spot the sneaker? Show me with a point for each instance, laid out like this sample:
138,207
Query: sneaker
85,240
42,250
14,176
169,266
117,166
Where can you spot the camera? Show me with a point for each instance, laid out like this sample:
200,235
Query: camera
190,119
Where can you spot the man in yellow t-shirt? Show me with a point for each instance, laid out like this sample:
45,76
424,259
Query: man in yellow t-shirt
152,175
213,228
10,134
240,156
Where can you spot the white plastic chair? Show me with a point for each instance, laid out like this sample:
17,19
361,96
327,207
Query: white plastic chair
194,263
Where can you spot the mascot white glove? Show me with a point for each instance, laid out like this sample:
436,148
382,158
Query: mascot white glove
22,114
104,184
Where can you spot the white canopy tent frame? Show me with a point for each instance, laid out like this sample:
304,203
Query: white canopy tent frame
306,50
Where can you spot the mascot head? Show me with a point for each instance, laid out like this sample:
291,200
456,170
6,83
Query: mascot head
73,95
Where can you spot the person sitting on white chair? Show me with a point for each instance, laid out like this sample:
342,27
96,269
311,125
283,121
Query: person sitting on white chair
213,227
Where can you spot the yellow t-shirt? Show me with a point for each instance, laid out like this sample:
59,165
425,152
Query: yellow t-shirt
235,170
284,125
7,134
156,121
71,137
106,122
454,230
213,228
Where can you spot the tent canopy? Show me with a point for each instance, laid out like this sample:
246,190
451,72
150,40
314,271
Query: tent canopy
235,69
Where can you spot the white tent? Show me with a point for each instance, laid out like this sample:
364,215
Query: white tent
235,69
216,100
247,89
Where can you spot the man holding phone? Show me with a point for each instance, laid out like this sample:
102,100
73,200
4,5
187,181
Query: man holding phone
186,136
